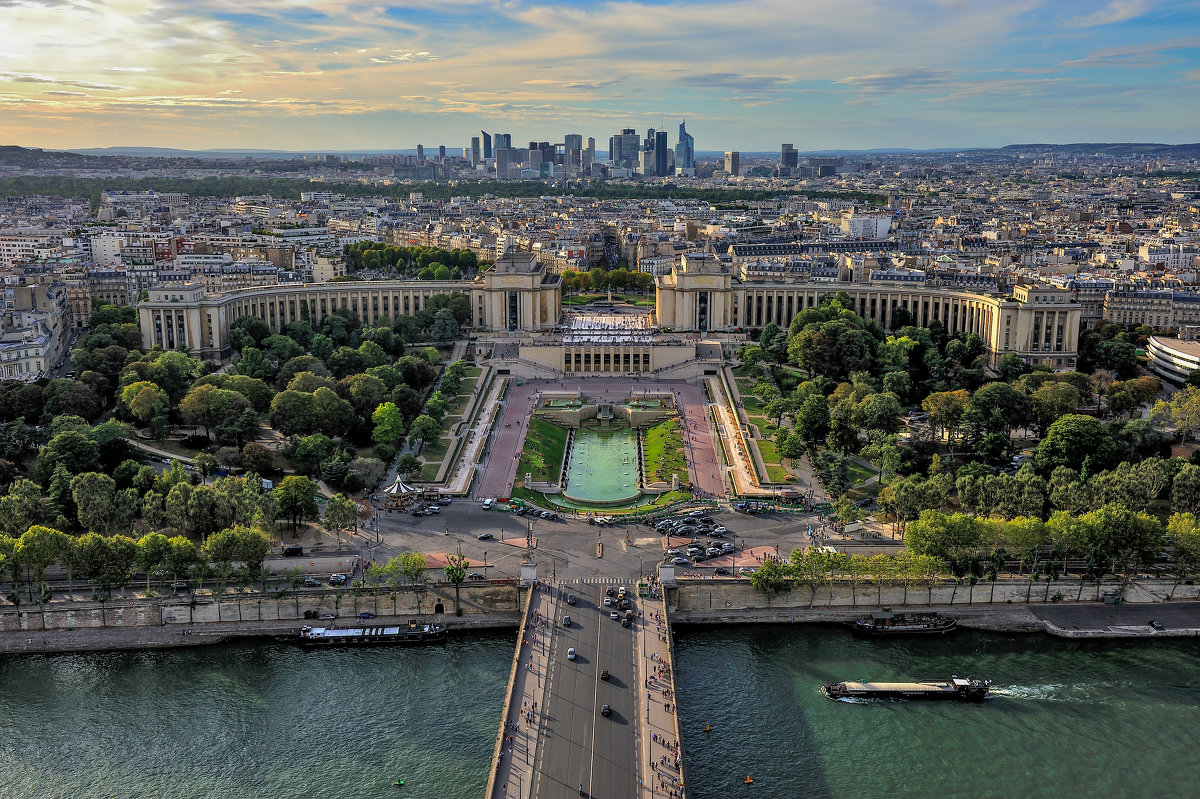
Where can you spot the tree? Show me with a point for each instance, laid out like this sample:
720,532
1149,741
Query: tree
413,565
444,327
22,507
258,459
144,400
456,572
341,514
1052,401
309,451
1183,531
70,449
1185,490
833,470
297,499
771,579
153,554
943,536
425,428
334,415
835,348
206,464
408,464
1073,438
946,409
389,424
94,494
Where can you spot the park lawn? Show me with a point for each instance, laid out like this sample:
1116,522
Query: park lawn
752,405
746,370
429,472
775,471
858,472
662,452
435,452
542,453
472,372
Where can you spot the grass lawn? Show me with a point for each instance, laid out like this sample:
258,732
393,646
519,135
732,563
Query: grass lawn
472,372
752,406
435,452
858,472
746,370
640,300
429,472
662,448
542,452
775,471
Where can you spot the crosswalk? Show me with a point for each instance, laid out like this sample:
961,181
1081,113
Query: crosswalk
613,581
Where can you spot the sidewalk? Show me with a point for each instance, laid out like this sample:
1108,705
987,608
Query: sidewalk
520,734
660,753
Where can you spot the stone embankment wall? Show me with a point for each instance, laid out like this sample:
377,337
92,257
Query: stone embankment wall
478,601
693,600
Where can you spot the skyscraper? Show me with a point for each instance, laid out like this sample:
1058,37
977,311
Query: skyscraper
660,153
731,162
442,152
573,141
685,150
487,144
474,150
501,141
502,163
420,153
788,157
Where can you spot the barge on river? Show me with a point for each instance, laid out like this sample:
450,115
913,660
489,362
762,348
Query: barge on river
954,688
414,633
886,623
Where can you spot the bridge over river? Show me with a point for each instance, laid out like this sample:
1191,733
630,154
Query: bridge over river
553,737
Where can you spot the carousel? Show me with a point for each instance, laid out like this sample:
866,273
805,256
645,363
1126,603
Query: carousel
399,494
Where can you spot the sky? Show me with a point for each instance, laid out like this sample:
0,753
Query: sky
328,75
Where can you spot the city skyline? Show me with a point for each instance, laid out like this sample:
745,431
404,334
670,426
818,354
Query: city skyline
746,76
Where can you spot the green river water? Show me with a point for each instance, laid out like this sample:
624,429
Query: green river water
262,721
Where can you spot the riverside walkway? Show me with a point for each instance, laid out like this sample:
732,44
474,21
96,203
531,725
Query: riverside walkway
605,718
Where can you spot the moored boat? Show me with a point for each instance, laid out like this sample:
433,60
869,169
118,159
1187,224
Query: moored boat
884,622
954,688
414,633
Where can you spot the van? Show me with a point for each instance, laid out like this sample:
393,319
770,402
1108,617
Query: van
293,551
487,504
621,592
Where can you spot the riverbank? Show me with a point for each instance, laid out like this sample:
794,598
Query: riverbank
174,636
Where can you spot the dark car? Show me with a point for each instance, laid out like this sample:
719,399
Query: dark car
476,576
485,536
625,622
312,582
605,710
604,674
337,579
293,551
1157,625
366,614
608,591
720,570
570,599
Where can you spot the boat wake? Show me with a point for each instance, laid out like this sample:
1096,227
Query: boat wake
1051,691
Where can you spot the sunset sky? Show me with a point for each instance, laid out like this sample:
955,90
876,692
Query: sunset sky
343,75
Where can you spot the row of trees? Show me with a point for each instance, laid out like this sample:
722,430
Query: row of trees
425,263
109,561
598,279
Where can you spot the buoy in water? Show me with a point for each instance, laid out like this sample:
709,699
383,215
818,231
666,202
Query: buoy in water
707,728
748,780
398,784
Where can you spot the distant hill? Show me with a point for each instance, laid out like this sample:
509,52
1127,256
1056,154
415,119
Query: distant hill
1118,149
226,153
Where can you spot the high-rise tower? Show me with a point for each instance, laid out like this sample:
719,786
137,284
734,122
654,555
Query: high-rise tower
487,144
685,151
660,153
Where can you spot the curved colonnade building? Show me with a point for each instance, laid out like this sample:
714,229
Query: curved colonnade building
699,303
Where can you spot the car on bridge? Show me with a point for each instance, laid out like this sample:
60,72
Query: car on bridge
570,599
605,710
571,653
485,536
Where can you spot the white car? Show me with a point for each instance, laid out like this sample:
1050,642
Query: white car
719,530
571,653
608,602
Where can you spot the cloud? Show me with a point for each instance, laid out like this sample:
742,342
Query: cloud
26,77
129,69
1115,11
733,81
60,93
907,81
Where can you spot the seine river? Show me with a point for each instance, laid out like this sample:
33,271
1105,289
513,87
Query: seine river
261,721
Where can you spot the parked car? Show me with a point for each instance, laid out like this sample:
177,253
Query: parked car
485,536
433,509
1157,625
312,582
720,570
673,551
728,547
366,614
476,576
680,561
337,579
719,530
696,514
293,551
328,617
712,552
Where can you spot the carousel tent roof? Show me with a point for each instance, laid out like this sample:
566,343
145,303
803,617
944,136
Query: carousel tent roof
400,488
